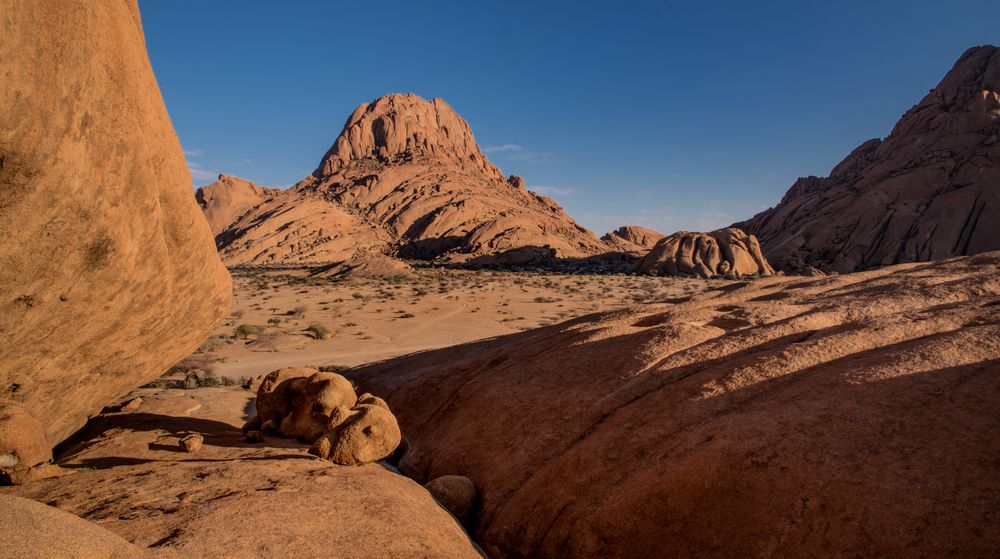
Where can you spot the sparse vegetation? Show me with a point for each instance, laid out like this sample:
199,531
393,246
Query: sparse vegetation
318,331
244,331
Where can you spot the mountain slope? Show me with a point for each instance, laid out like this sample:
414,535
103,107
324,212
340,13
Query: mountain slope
228,198
404,178
930,190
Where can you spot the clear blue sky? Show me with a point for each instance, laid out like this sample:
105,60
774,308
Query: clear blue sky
673,115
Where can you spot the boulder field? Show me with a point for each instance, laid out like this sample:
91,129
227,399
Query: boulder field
850,415
136,480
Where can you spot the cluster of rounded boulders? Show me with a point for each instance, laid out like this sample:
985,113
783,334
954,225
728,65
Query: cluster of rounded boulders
632,239
31,530
404,179
727,252
928,191
843,416
108,271
233,500
322,408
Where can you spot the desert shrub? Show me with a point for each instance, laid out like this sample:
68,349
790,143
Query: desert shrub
246,330
212,343
318,331
407,315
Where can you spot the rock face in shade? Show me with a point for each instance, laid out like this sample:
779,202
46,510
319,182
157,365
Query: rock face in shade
632,239
30,530
726,252
108,273
930,190
228,198
405,178
846,416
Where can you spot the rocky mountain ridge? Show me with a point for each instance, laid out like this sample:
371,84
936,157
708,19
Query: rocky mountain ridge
929,190
405,178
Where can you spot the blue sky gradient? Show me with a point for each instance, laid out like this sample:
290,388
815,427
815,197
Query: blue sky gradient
669,115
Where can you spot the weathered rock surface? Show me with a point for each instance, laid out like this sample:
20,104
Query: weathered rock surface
31,530
632,239
323,409
726,252
405,178
236,499
23,442
228,198
108,272
930,190
457,494
846,416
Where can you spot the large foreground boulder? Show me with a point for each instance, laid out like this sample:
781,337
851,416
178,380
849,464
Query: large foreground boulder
31,530
726,252
108,272
846,416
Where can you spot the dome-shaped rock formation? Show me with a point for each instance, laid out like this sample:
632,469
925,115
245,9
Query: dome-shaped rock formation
405,178
228,198
632,239
108,272
726,252
929,190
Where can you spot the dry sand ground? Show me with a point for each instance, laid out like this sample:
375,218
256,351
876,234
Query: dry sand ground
371,319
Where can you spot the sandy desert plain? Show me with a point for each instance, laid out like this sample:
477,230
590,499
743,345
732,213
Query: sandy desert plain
287,318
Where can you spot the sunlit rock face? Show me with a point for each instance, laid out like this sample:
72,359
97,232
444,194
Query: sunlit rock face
108,272
929,190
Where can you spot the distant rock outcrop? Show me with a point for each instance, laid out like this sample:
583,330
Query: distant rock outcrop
843,416
228,198
726,252
108,273
930,190
405,178
632,239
